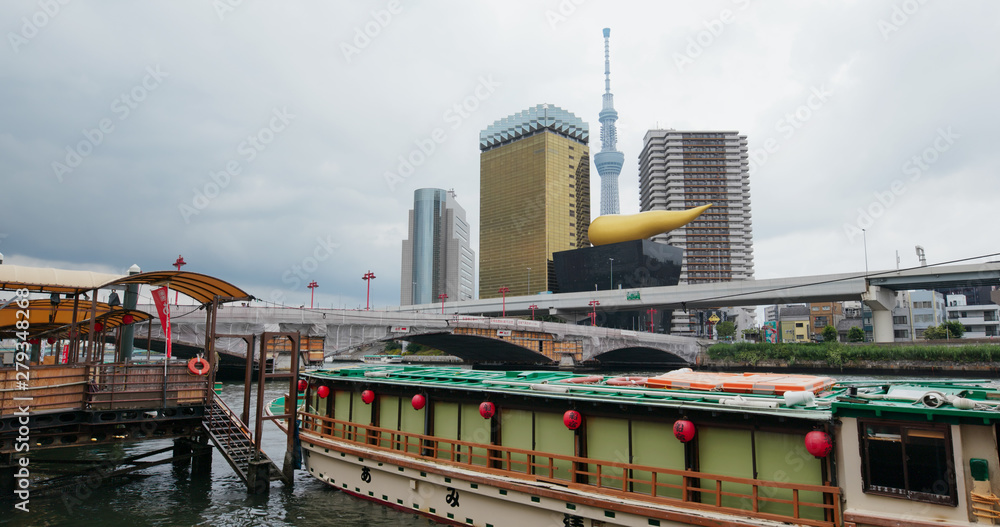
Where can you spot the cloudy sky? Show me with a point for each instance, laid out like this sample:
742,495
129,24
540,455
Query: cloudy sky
262,140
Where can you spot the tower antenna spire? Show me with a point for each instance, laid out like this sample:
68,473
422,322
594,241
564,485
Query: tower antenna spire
609,160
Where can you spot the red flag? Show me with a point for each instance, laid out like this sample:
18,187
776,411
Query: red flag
163,309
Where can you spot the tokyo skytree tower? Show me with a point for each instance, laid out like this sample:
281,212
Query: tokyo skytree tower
609,161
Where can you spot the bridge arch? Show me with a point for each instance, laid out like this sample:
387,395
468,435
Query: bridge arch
634,356
476,348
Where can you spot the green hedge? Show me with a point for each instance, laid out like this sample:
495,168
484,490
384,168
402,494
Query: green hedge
837,354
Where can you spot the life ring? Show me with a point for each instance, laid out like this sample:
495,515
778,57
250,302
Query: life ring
626,381
593,379
198,366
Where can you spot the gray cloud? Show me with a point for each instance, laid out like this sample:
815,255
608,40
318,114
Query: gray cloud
322,176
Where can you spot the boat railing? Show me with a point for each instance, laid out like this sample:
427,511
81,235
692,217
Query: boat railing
806,504
100,387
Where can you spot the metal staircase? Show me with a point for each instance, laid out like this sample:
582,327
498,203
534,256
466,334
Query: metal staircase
232,437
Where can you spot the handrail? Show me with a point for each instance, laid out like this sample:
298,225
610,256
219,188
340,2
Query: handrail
542,466
100,387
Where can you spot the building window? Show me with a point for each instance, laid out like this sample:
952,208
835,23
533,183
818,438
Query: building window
572,213
899,320
908,461
826,308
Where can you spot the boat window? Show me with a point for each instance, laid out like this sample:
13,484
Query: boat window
908,461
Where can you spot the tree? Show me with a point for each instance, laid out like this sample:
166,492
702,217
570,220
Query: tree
855,334
725,329
393,346
829,334
955,329
951,329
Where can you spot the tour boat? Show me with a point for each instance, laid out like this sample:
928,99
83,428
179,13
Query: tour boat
534,448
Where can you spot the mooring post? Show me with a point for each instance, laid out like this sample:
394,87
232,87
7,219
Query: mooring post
201,462
182,449
259,476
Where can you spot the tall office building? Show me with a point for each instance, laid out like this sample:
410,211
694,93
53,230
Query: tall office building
679,170
437,258
609,161
534,176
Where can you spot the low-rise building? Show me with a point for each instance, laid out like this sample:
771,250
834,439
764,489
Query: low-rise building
793,323
980,321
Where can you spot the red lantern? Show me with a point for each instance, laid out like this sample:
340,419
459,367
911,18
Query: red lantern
323,391
487,409
684,430
98,327
303,385
127,319
51,340
572,419
34,342
368,396
418,401
819,443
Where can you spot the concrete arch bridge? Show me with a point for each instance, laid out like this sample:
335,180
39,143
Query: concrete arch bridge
477,340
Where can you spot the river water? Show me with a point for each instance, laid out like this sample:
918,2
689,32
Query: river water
169,496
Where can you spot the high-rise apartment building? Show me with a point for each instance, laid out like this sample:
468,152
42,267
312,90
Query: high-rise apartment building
534,198
437,257
679,170
609,160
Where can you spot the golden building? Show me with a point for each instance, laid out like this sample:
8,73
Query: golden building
534,178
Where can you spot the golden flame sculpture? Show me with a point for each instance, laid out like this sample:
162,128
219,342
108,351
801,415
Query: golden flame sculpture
614,228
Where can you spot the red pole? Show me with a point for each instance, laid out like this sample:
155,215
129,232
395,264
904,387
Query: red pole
503,291
312,291
442,296
533,307
368,277
651,312
593,314
178,264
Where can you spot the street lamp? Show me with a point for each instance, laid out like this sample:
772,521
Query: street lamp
864,236
533,307
442,296
368,277
651,312
593,314
611,274
503,291
312,291
178,264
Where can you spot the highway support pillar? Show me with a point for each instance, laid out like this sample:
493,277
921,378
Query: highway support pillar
881,301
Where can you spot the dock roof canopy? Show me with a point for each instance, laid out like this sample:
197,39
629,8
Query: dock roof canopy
200,287
49,280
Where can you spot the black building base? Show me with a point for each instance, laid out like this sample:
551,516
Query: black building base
624,265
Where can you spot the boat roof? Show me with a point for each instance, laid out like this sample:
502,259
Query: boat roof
907,400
